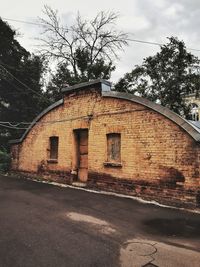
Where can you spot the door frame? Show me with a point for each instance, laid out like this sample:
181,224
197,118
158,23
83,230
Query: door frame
76,151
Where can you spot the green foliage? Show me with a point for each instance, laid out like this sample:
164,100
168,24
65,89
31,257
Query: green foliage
84,72
165,78
85,50
4,161
17,101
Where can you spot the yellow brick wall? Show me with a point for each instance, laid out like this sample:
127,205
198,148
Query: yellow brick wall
150,143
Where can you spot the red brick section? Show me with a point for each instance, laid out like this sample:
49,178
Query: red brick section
159,160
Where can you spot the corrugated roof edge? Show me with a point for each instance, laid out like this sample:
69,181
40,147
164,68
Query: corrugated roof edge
54,105
85,84
195,123
193,131
190,128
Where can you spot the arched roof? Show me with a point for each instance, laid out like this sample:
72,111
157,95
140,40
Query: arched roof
44,112
191,129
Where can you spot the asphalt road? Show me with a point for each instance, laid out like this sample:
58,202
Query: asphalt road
46,225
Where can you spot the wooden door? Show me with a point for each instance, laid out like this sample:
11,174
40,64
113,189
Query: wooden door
83,155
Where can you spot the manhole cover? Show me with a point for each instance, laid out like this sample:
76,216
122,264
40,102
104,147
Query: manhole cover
150,265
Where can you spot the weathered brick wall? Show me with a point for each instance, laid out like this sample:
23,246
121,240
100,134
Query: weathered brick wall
154,150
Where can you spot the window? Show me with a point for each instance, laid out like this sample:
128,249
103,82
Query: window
194,112
114,147
53,147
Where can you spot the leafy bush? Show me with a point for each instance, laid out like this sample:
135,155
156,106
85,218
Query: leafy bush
4,161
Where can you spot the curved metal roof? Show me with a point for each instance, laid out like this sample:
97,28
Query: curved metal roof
103,84
193,131
44,112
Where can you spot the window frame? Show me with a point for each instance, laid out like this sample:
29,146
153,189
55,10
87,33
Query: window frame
116,154
53,149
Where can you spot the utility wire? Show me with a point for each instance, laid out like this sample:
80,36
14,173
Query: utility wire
145,42
34,23
20,81
131,40
12,84
25,22
89,117
155,43
26,86
12,127
13,123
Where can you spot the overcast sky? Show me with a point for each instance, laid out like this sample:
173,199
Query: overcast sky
148,20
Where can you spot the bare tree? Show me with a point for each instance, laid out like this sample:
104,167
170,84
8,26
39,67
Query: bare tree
96,39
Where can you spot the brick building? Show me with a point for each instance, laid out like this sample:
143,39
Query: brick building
113,141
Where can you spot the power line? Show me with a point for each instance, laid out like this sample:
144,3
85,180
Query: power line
131,40
26,86
155,43
145,42
20,81
34,23
25,22
13,125
12,84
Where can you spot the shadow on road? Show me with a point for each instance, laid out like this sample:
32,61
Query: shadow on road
178,227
